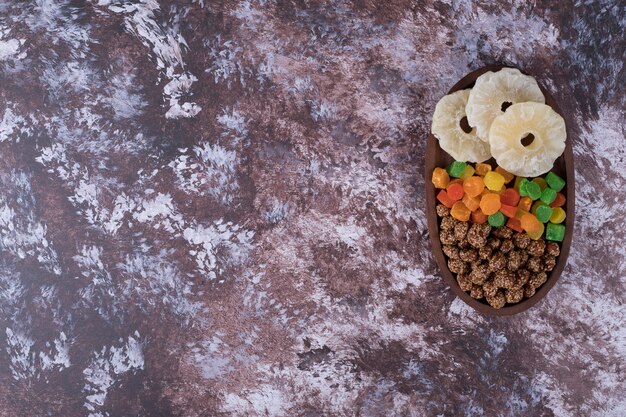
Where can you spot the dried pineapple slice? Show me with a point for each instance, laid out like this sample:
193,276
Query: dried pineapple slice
508,130
491,93
446,127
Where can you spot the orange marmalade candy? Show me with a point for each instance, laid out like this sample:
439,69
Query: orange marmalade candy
479,217
508,211
510,197
490,203
473,186
471,203
559,201
525,203
514,224
482,169
530,223
440,178
455,191
443,198
460,212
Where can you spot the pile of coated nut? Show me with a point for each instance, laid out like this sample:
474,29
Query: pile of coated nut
497,264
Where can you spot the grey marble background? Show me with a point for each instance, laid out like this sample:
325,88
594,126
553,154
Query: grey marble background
216,208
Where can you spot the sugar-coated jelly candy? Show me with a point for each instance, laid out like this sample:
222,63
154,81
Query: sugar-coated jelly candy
510,197
440,178
444,199
530,222
559,200
467,172
455,191
514,224
517,182
456,168
471,203
473,186
455,181
519,213
533,190
525,203
496,219
555,232
490,203
460,212
521,187
508,177
558,215
543,213
536,234
508,211
493,181
478,217
554,181
541,182
548,195
482,169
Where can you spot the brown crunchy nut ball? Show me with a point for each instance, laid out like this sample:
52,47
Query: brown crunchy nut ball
497,262
451,251
442,211
549,262
479,273
494,243
515,261
534,264
529,291
537,280
448,223
477,235
536,247
477,292
464,282
522,277
504,279
524,256
484,252
490,288
457,266
498,300
464,244
468,255
506,246
514,295
460,230
521,240
447,237
503,232
552,249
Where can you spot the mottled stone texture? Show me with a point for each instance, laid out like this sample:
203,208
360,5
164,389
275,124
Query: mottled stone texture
215,208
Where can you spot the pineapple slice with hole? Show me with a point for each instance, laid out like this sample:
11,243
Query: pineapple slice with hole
494,92
454,134
527,139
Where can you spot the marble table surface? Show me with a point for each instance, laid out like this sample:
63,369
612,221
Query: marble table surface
216,208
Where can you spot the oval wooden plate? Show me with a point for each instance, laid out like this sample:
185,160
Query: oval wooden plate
563,166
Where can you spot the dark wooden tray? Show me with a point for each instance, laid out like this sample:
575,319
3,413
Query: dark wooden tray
563,166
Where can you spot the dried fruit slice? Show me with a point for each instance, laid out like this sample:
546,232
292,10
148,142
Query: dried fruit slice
493,92
446,127
545,125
